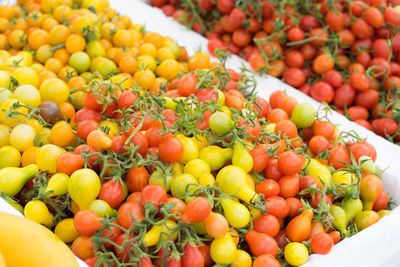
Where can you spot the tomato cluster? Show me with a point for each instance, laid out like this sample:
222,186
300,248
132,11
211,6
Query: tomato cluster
345,53
134,153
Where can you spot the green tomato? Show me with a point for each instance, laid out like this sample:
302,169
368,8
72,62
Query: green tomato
367,164
79,61
101,208
303,115
220,123
339,218
106,67
199,228
296,254
173,47
352,207
157,177
366,218
384,212
44,53
183,183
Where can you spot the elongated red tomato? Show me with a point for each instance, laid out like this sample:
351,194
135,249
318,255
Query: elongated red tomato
192,256
261,244
197,210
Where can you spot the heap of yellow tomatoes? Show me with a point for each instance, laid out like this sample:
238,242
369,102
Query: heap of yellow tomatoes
135,154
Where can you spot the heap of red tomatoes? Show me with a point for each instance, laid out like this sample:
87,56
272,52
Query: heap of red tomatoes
345,53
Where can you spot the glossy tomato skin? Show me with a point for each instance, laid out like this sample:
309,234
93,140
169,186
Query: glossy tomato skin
85,127
277,206
321,243
153,194
126,99
137,178
192,256
170,149
87,114
69,162
261,244
267,224
87,222
127,210
112,192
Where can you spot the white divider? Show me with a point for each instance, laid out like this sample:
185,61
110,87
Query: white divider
375,246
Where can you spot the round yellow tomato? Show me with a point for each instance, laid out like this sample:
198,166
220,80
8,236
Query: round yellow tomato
66,230
169,69
6,107
28,94
296,254
46,157
22,136
9,157
54,90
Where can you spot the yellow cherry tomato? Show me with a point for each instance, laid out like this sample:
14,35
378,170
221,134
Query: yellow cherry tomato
223,249
8,106
157,232
28,94
169,69
46,157
296,254
243,259
9,157
25,75
196,167
190,149
54,90
66,230
37,211
83,187
206,179
22,136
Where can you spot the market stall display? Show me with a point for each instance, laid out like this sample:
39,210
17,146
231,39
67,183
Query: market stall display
345,53
189,143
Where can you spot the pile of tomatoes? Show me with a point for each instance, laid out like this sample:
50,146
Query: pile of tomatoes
135,154
345,53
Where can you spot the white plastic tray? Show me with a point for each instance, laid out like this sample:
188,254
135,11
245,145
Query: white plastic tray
377,245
